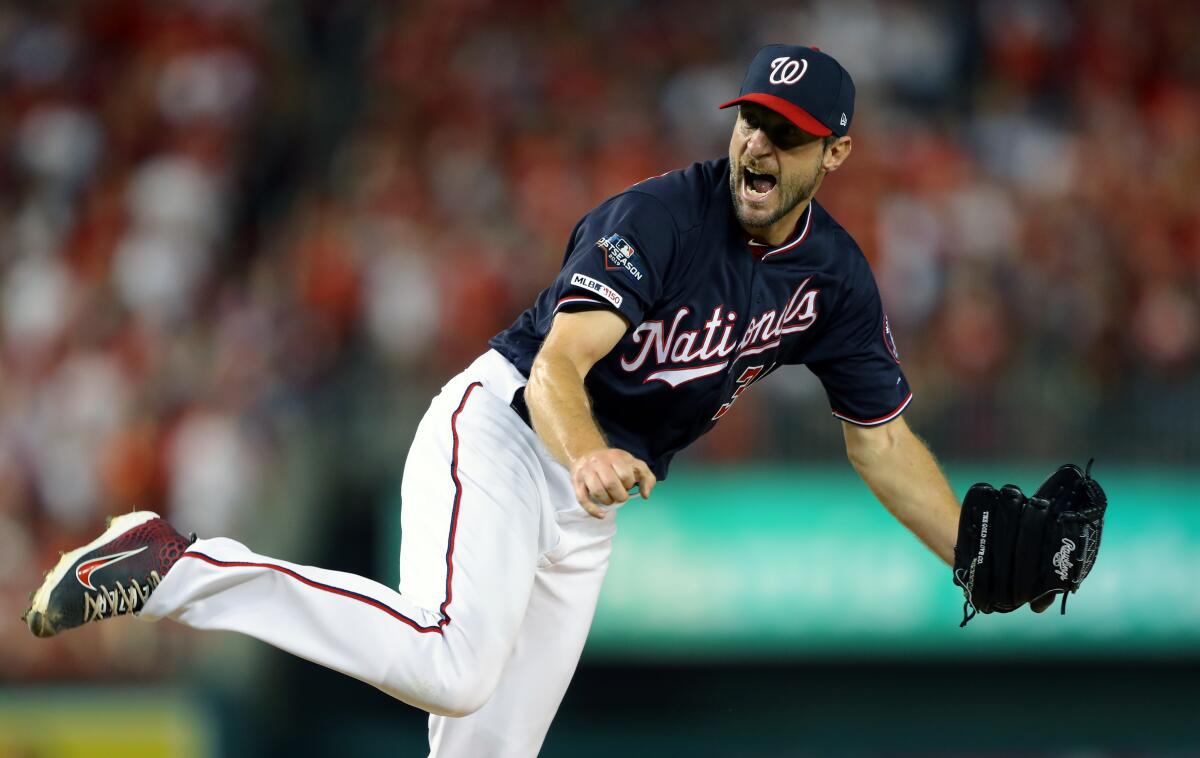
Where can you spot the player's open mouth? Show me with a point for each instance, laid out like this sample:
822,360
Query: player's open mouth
757,186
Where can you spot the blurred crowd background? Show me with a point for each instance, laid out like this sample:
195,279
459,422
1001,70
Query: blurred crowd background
243,242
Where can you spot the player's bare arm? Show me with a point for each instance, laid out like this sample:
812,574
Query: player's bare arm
562,415
906,478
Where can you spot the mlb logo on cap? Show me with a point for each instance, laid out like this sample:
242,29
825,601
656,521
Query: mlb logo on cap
802,84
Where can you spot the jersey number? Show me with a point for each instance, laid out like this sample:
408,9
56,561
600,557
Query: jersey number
745,380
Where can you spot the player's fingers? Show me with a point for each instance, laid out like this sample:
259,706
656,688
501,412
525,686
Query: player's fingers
585,500
584,496
617,491
627,473
596,489
581,492
645,478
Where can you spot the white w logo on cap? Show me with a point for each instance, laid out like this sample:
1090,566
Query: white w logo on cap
784,70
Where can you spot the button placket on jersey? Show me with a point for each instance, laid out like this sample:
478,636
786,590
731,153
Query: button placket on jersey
752,303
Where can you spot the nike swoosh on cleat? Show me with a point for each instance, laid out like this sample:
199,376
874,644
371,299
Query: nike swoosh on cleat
84,571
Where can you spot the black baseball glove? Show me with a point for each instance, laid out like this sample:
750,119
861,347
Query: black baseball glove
1014,549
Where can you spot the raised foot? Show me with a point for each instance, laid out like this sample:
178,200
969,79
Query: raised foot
113,575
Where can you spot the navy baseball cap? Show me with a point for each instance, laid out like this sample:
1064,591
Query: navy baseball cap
802,84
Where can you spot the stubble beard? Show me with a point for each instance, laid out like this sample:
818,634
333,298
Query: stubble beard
791,194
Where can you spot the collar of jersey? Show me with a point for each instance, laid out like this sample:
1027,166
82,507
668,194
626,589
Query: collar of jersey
799,235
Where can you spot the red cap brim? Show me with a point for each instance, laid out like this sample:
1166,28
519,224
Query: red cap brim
797,116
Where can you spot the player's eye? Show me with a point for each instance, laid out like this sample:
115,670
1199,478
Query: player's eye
787,137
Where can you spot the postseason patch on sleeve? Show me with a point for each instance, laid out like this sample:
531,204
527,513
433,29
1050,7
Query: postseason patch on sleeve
618,254
601,289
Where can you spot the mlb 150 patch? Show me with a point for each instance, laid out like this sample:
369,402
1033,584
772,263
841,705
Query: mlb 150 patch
618,253
601,289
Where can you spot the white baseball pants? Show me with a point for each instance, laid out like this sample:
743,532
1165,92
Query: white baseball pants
500,570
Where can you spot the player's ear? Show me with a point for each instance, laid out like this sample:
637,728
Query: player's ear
836,154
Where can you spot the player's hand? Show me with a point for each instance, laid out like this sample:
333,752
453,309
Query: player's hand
605,477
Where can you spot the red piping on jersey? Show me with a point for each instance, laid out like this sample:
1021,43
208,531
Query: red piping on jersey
457,501
445,619
798,240
316,585
575,299
875,421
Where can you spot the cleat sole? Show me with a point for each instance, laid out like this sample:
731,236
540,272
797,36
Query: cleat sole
37,617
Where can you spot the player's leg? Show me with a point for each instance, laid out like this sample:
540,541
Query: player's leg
471,492
514,722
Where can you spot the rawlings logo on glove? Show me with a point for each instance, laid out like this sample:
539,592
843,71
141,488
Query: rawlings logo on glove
1062,559
1030,542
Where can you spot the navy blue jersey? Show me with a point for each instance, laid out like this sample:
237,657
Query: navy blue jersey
710,311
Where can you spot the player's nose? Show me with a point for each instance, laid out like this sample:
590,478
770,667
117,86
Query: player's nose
758,143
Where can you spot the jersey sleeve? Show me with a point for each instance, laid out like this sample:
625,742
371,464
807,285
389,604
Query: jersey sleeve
617,258
857,361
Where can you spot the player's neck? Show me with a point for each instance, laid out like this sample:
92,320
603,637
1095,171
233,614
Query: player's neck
782,230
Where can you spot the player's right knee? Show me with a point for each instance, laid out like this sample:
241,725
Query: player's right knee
450,693
457,704
460,696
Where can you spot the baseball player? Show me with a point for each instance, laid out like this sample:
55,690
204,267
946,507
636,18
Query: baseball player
674,298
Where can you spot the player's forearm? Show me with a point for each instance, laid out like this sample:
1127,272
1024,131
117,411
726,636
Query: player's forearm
906,478
560,409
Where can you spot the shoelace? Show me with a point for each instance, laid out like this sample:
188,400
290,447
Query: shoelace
108,603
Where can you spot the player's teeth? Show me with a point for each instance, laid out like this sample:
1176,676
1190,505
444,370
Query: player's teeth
759,184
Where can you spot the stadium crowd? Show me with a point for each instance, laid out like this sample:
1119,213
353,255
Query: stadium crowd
243,242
